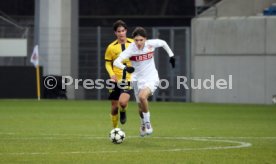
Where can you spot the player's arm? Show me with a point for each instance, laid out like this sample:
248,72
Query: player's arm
126,54
161,43
108,67
109,64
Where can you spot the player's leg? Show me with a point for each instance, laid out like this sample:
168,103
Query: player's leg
114,113
136,93
142,125
123,102
114,97
143,98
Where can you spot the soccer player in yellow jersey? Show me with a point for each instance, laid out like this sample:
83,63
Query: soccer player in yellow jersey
119,97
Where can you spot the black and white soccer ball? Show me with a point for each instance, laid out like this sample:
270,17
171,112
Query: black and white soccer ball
117,136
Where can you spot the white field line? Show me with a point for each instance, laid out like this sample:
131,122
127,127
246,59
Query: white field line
72,136
238,144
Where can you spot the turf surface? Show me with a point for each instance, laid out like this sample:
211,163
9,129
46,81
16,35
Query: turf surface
77,132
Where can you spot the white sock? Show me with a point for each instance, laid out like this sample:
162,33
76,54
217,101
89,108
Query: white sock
146,117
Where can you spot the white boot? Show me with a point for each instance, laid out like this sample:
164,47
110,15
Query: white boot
148,128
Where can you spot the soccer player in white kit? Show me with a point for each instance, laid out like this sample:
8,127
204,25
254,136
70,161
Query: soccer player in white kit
145,77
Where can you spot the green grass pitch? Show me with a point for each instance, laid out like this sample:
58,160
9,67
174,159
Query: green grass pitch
60,131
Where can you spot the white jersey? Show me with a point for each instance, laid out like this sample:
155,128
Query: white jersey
143,60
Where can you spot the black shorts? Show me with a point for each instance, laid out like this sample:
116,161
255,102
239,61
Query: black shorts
115,93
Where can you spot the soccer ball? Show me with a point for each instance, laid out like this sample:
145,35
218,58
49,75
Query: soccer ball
117,136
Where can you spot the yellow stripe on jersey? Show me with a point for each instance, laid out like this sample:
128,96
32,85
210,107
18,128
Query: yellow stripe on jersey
112,52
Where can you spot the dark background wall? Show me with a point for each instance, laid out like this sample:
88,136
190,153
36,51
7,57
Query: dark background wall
18,82
104,13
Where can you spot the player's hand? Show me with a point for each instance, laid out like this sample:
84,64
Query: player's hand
129,69
172,61
114,79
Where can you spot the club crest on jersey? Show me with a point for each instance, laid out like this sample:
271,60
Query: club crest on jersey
142,57
150,48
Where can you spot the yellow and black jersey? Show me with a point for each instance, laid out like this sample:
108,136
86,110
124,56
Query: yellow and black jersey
112,52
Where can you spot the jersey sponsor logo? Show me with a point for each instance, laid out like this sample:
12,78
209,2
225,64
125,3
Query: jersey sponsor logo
142,57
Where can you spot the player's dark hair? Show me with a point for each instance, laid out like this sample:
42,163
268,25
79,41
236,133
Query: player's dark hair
139,31
119,23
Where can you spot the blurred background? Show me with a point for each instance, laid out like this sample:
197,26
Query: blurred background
208,37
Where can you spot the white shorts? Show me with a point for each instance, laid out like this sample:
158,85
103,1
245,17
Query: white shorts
138,85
